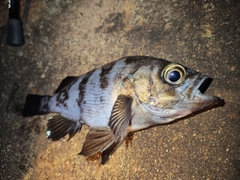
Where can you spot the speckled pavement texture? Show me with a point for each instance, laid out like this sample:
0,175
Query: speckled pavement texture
69,38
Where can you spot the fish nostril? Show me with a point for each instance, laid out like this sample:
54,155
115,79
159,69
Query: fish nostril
206,83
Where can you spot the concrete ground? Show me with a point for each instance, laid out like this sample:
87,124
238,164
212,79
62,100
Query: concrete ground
66,38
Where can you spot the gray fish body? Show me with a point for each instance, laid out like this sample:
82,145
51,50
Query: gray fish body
124,96
90,99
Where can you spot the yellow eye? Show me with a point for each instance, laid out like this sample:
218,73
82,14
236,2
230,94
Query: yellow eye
174,74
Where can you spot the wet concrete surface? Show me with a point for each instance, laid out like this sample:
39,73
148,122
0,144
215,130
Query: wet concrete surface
69,38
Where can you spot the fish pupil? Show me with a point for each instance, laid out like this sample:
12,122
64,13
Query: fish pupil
174,76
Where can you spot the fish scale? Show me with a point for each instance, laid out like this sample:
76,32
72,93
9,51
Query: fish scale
119,98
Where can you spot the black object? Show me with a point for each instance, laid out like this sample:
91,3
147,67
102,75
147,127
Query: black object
15,35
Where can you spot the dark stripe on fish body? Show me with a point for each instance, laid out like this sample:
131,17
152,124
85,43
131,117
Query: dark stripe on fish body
103,75
138,60
45,103
104,82
131,59
150,85
62,96
82,87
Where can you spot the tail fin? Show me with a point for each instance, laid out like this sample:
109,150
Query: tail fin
35,105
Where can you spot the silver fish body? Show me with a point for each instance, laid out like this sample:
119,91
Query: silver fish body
121,97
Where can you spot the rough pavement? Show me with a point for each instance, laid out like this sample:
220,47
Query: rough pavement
69,38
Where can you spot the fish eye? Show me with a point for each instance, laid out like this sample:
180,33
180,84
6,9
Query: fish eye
174,74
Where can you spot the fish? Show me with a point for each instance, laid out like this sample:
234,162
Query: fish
120,98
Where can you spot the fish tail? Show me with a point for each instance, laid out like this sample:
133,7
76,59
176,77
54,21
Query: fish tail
36,105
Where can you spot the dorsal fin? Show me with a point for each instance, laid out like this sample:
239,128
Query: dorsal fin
65,82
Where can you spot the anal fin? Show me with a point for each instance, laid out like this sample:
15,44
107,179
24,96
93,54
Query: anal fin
58,126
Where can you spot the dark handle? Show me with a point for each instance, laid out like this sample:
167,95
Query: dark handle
15,35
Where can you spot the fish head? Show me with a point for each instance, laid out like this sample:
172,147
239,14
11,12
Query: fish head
169,91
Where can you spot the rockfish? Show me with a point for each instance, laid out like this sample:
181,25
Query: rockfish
127,95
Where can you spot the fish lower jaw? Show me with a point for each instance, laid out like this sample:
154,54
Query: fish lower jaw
164,116
172,117
205,98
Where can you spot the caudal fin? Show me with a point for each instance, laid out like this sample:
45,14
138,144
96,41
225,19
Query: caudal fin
35,105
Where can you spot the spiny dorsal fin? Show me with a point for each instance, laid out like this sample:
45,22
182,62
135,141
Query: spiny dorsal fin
65,82
58,126
106,140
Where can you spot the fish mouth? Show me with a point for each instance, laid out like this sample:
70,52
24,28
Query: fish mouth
198,93
205,84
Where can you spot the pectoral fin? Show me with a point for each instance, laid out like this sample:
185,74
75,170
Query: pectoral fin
121,115
106,140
